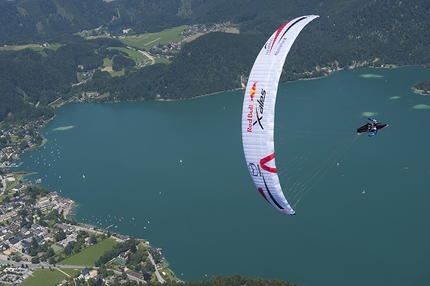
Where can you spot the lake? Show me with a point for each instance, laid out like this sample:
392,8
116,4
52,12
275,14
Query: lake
174,173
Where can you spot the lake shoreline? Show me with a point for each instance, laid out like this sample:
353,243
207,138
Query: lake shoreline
241,89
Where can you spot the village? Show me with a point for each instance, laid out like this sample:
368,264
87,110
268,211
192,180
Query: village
15,140
32,219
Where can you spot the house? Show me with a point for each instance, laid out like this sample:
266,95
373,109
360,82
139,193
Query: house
147,276
10,177
123,254
35,226
25,244
25,231
84,273
48,236
18,187
40,240
23,236
8,236
61,226
38,232
13,240
16,223
44,204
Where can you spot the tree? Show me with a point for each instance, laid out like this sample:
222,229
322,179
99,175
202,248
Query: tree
102,270
120,62
138,267
50,252
93,239
77,248
34,243
133,248
69,247
60,235
23,212
92,282
35,260
123,275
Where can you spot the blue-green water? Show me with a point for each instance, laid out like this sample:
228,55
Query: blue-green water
174,173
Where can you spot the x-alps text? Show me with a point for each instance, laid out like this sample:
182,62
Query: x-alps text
258,110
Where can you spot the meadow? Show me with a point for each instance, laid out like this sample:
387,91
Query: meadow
137,56
35,47
90,255
148,40
48,277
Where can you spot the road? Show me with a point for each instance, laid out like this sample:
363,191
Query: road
148,55
159,278
32,267
3,180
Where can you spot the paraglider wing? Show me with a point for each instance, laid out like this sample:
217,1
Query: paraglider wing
366,128
259,111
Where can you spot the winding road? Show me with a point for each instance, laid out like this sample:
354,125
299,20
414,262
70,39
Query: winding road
148,56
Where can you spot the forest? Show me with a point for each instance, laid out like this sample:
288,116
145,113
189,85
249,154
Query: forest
30,80
348,34
424,86
234,280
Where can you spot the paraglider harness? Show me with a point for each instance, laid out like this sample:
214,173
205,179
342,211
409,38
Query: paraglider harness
371,126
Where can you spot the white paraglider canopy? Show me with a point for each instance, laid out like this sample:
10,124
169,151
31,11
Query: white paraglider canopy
258,113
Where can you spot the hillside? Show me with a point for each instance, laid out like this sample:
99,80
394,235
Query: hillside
24,21
347,34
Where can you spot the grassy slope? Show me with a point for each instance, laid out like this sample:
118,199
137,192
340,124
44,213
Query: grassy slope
90,255
147,41
44,277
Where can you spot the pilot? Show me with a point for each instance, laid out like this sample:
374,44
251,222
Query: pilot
371,126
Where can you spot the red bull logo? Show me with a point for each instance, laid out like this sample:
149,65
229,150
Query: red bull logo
252,93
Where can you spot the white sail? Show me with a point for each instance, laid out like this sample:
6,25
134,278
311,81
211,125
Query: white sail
258,112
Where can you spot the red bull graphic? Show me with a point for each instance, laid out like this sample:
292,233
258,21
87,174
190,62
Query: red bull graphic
252,92
256,106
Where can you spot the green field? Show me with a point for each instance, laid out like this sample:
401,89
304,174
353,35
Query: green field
148,40
35,47
90,255
56,248
72,272
44,277
137,56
